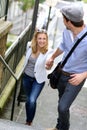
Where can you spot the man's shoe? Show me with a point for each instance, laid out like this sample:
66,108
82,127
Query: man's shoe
52,129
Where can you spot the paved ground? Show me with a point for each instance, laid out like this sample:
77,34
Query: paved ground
46,114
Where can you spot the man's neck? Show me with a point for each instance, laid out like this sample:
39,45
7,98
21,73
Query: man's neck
76,30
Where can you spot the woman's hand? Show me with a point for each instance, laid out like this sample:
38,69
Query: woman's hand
50,61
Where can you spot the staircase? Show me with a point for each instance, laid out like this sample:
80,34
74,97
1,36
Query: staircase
10,125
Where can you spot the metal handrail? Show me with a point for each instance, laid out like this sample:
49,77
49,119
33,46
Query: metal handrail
16,78
4,62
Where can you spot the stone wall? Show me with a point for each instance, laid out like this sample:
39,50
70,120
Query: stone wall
5,26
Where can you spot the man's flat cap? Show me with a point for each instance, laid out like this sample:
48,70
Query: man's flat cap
74,13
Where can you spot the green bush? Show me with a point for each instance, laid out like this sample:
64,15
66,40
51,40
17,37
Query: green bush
85,1
26,4
8,44
41,1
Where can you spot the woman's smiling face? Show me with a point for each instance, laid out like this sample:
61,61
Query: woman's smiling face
41,40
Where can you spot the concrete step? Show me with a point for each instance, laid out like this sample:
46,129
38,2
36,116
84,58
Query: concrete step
10,125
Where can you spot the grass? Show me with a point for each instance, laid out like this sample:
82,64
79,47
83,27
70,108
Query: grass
11,38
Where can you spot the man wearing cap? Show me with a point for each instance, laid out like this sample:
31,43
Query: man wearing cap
74,73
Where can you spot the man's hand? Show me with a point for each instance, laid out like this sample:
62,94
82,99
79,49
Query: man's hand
49,63
76,79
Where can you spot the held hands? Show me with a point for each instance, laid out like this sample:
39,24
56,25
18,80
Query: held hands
49,63
76,79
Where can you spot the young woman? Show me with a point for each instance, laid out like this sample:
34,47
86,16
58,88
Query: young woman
35,73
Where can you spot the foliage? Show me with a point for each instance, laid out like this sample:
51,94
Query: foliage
85,1
26,4
8,44
41,1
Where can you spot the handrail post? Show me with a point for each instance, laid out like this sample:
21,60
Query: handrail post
13,104
6,10
34,18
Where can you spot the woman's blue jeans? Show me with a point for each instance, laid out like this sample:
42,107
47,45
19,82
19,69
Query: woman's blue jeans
67,94
32,89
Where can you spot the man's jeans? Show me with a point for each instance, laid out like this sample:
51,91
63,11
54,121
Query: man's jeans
32,89
67,94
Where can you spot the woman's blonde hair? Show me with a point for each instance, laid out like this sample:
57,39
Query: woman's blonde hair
34,41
